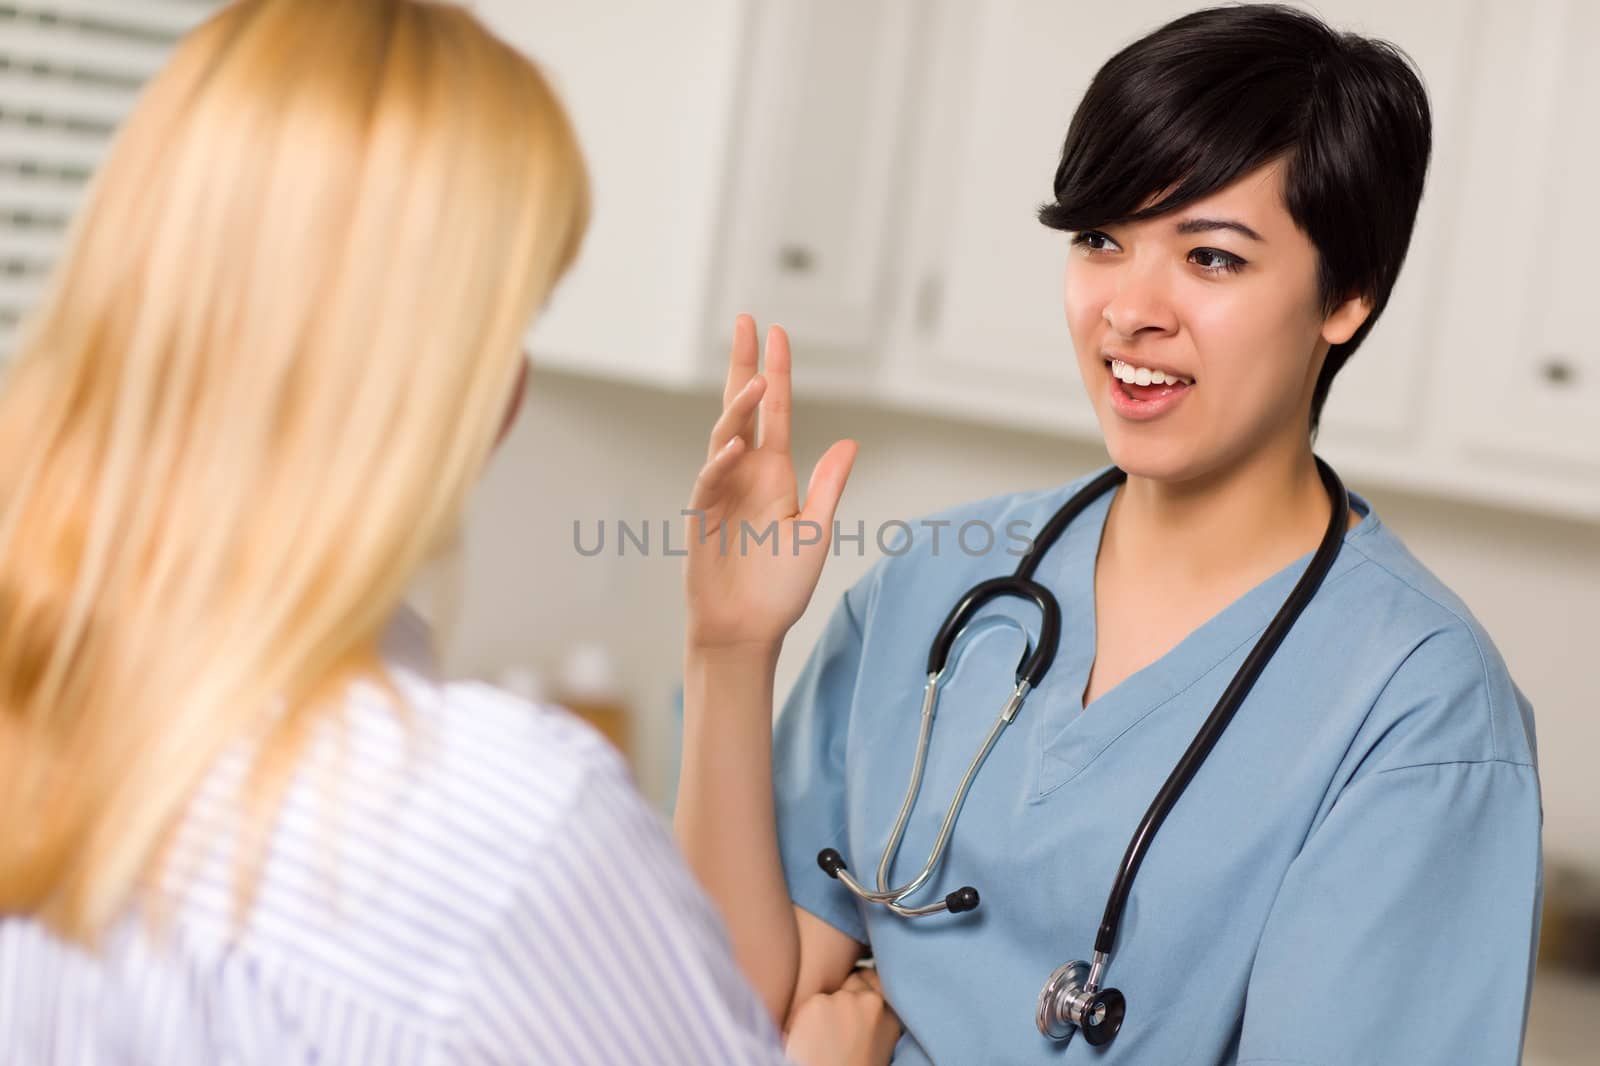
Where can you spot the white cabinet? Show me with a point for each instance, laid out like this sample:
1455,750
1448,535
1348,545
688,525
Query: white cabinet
1482,378
1522,296
1503,377
1380,400
819,179
743,158
979,329
652,89
867,173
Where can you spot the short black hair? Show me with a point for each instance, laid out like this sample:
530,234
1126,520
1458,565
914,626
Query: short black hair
1210,96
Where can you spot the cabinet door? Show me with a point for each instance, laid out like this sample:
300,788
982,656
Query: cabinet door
651,88
819,178
1377,410
1526,410
978,326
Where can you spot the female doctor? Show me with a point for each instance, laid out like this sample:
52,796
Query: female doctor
1352,874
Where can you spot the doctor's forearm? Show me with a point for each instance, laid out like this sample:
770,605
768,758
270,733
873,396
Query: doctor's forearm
724,818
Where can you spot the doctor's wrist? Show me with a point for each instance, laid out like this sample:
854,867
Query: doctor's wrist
757,653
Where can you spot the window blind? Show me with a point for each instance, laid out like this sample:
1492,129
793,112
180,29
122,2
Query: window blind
70,71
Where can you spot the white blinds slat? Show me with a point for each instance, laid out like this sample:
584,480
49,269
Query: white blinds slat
25,225
156,19
29,42
37,241
58,149
18,295
85,112
18,192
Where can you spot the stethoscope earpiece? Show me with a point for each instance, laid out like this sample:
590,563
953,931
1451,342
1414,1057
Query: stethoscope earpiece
961,900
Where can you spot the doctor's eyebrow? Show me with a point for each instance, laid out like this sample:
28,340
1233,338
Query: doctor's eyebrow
1205,225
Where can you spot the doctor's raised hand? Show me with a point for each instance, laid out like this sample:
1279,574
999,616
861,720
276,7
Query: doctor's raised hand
754,553
753,560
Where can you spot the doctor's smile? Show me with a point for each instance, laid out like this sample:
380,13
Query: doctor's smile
1140,394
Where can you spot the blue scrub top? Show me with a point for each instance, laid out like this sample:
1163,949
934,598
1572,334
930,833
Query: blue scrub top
1353,877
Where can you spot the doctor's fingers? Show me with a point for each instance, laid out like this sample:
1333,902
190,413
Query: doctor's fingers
743,359
827,483
712,482
863,980
778,402
738,416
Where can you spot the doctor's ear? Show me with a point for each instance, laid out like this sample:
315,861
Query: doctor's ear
1343,321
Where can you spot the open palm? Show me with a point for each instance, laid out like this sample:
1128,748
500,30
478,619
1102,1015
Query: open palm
754,555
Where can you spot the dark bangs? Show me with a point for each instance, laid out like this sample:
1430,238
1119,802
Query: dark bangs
1166,122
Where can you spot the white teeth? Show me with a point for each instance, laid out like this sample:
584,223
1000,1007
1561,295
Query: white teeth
1140,375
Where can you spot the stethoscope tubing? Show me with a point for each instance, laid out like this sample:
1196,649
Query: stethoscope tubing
1037,657
893,897
1227,706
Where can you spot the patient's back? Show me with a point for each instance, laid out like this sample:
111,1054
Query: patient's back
474,881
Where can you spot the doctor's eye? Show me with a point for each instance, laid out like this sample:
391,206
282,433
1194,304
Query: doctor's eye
1220,262
1093,240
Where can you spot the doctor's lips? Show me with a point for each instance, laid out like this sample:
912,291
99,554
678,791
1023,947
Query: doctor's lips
1143,391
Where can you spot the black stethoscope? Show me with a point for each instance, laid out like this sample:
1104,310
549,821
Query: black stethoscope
1072,998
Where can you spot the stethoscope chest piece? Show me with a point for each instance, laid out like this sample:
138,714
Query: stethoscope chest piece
1067,1002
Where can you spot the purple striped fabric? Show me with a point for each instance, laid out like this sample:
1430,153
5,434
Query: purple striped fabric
481,885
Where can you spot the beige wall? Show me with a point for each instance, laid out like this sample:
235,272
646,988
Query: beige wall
589,450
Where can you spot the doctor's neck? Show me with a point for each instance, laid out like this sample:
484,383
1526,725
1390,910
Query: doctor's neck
1257,513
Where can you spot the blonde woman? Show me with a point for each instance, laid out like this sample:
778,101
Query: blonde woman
241,818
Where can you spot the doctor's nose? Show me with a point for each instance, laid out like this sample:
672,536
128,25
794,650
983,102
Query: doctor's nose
1136,305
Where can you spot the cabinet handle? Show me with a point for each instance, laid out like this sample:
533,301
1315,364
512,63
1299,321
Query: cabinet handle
1558,371
796,259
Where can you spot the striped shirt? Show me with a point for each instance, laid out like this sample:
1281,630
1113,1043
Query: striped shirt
483,885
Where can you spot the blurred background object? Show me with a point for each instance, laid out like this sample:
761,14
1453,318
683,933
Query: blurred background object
1563,1025
865,172
591,687
1571,934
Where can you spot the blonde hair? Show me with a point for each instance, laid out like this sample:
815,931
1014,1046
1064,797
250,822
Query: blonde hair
265,376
